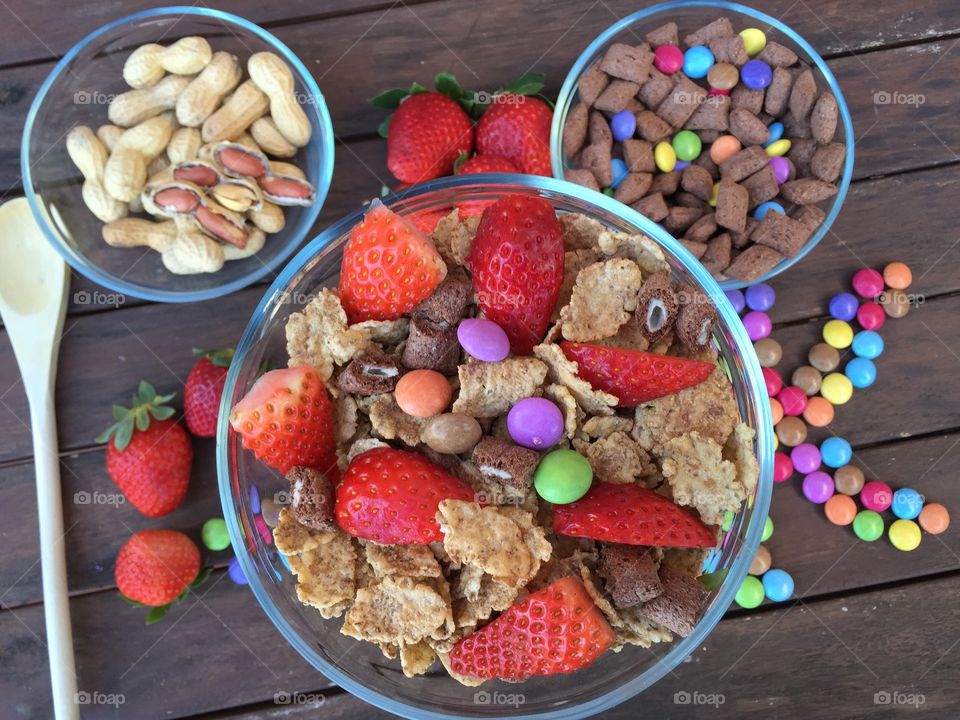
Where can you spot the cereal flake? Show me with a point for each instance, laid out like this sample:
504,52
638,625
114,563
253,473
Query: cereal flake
453,238
573,262
319,336
739,451
326,575
638,247
700,477
567,403
580,231
489,389
603,298
390,422
601,426
564,371
617,459
416,659
291,537
406,560
396,610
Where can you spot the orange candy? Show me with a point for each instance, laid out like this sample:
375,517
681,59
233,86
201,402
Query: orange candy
776,409
934,518
724,148
819,412
840,509
423,393
897,276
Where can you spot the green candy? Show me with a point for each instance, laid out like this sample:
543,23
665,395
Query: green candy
215,535
750,594
868,525
563,476
767,530
727,521
687,145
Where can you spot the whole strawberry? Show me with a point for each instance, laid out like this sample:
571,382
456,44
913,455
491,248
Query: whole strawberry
517,127
426,135
485,164
156,567
287,420
517,265
148,453
203,390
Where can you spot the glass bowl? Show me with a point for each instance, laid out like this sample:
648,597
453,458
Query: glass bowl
359,667
689,16
77,92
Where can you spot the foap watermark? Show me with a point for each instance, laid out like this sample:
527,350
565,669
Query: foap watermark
482,97
96,697
689,98
898,697
98,297
283,497
98,498
484,697
92,97
895,97
914,299
686,697
285,697
498,498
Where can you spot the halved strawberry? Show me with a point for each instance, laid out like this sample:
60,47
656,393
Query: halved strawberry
287,420
557,629
517,265
634,377
391,497
388,267
631,515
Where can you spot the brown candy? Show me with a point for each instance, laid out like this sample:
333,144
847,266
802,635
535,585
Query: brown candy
808,379
848,479
791,431
769,352
452,433
630,574
656,306
761,561
370,375
505,462
312,498
723,76
824,358
895,303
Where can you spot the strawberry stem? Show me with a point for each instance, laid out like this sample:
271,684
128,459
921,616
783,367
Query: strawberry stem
146,404
220,357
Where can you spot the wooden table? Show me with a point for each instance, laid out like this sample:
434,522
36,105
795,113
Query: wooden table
870,623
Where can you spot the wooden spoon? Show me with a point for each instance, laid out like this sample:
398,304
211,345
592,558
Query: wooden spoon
33,293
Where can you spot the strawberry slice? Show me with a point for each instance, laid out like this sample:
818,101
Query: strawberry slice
634,376
388,267
557,629
631,515
517,265
391,497
287,420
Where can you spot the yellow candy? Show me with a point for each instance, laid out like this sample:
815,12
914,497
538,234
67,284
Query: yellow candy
776,441
905,535
778,148
836,388
665,156
713,194
753,40
838,334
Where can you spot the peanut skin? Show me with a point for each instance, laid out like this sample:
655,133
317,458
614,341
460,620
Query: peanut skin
275,79
109,135
205,92
269,217
126,170
89,154
236,114
135,106
264,131
134,232
184,145
147,64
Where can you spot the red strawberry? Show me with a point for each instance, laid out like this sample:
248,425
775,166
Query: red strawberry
155,567
391,497
388,267
518,128
633,376
632,515
148,454
203,390
426,135
426,220
482,164
557,629
287,419
517,265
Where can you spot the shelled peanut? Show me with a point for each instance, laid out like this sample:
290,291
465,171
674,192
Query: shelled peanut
192,144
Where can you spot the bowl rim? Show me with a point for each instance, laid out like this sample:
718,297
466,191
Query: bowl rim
570,85
78,261
755,390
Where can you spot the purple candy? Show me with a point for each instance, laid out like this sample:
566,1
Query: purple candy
254,500
535,423
781,168
758,325
236,573
756,74
483,339
623,125
805,458
844,306
681,165
818,487
760,297
736,299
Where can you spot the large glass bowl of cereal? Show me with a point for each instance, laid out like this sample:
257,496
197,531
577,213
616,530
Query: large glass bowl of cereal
716,120
514,431
177,154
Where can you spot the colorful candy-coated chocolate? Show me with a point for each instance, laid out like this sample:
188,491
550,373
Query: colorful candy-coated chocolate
867,283
254,500
772,380
776,132
681,165
848,479
838,334
452,433
823,357
777,585
758,325
717,91
818,412
781,169
724,148
782,467
270,512
867,344
805,458
214,534
236,572
837,388
861,372
723,76
876,495
697,62
754,40
895,303
623,124
907,503
791,431
818,487
422,393
793,399
840,509
904,535
483,339
897,275
843,306
736,299
727,520
835,452
777,149
535,423
714,194
767,530
263,529
750,594
934,518
761,561
563,476
756,74
770,206
619,172
668,59
776,441
808,379
870,315
760,297
769,352
776,410
868,525
664,156
686,144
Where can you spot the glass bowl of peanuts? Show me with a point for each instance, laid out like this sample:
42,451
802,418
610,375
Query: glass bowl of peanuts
177,155
716,120
253,493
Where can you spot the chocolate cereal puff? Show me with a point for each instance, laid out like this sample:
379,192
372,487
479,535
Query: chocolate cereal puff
805,191
633,187
593,82
616,95
778,92
743,164
657,306
372,374
748,128
638,156
717,257
730,50
678,606
782,233
581,177
681,103
824,118
666,34
575,129
733,200
630,574
447,304
596,158
752,263
598,130
651,127
761,186
312,499
680,218
656,88
652,206
803,95
504,462
745,98
697,180
627,62
695,319
721,27
712,114
827,162
777,55
703,229
810,215
431,346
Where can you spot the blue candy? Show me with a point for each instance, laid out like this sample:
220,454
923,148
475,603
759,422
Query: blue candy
681,165
254,500
776,132
861,372
236,572
756,74
697,61
835,452
736,299
711,561
623,125
777,585
843,306
619,171
764,208
907,503
867,344
760,297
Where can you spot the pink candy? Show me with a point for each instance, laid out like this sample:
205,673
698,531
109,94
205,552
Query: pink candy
793,400
876,495
871,316
772,378
668,59
263,529
782,467
867,283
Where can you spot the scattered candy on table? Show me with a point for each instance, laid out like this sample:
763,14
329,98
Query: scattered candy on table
867,283
758,325
805,458
818,487
895,303
838,334
750,594
760,297
791,431
835,452
818,412
782,467
861,372
843,306
823,357
737,299
793,399
907,504
773,381
867,344
876,495
897,276
236,572
769,352
767,530
761,561
214,534
934,518
868,525
808,379
777,585
840,509
848,479
904,535
871,316
836,388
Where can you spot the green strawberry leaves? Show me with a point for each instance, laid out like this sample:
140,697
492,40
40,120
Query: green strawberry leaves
155,614
458,163
221,357
146,404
